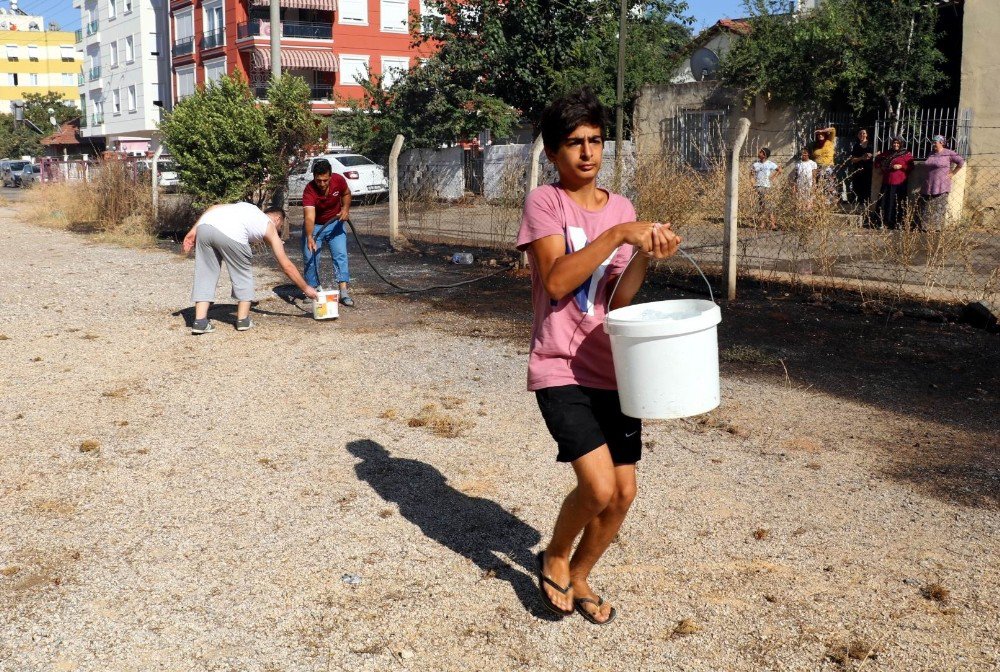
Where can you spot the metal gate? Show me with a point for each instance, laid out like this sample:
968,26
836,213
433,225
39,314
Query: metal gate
701,137
474,166
917,127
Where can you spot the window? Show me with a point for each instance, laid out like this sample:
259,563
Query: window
394,16
129,49
66,53
11,79
353,69
127,5
183,25
392,68
12,53
428,16
185,82
114,54
112,8
116,101
353,11
32,52
131,98
32,79
215,70
213,21
68,79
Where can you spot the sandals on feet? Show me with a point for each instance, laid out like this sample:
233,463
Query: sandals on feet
599,602
542,580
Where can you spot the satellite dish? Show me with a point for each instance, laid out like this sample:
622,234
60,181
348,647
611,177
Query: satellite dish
704,64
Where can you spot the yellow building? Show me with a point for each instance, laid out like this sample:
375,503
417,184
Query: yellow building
35,60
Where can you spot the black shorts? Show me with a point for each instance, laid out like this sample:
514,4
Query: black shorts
581,419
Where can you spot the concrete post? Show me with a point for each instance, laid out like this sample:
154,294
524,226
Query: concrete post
397,146
534,158
732,205
275,21
155,178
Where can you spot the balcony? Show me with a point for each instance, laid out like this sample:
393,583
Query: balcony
96,119
94,73
78,33
92,28
212,39
291,29
80,79
184,46
317,92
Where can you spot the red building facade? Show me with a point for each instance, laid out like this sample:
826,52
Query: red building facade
329,43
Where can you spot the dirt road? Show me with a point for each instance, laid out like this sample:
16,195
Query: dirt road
367,494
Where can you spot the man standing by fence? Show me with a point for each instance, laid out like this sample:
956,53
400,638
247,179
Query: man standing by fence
327,199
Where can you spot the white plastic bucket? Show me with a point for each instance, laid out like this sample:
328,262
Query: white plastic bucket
325,305
666,357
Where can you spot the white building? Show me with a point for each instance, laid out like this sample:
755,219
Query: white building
122,91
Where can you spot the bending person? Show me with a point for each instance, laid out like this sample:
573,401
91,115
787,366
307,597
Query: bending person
580,239
327,200
224,232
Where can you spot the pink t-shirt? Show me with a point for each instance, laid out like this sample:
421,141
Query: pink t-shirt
568,343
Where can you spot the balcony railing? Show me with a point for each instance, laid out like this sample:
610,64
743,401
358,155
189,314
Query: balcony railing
94,73
316,92
78,33
80,79
96,119
296,29
213,39
184,46
92,28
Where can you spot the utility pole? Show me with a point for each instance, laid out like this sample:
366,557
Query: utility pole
275,40
620,94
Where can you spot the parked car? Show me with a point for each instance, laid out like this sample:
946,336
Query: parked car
28,176
167,177
8,169
365,178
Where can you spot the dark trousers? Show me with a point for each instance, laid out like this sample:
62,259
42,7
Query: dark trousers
892,205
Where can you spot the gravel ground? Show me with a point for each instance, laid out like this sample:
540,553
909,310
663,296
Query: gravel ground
367,494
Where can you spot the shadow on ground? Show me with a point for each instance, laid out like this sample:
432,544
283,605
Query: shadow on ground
474,527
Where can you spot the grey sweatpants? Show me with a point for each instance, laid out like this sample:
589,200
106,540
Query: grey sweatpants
211,248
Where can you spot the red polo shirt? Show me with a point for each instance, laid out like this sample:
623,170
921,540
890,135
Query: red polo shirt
327,207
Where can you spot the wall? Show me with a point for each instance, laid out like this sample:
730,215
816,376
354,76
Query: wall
432,173
49,67
980,71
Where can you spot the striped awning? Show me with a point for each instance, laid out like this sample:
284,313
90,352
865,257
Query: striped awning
321,5
293,58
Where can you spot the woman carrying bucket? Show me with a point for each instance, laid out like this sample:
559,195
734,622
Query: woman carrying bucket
581,239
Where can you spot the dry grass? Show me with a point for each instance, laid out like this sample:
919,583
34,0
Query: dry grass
441,424
111,205
936,592
843,653
90,446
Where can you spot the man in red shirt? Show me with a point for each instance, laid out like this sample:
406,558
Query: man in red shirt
327,200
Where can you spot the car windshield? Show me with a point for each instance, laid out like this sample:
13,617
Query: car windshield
354,160
18,165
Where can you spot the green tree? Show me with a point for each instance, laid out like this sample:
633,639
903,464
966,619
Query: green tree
495,63
878,56
228,146
17,140
37,106
22,140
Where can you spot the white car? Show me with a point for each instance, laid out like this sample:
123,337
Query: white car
166,173
365,178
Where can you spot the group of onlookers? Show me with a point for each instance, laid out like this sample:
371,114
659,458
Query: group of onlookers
815,174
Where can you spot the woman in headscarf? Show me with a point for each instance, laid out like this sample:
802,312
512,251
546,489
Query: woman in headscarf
941,165
895,165
860,169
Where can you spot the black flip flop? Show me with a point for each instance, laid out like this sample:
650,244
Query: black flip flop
599,602
542,580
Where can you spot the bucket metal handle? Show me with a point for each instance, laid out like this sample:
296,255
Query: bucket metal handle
711,294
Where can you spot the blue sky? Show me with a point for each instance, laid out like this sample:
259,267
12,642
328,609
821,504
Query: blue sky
706,12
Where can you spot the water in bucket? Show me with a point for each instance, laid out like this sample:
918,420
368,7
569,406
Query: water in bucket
666,357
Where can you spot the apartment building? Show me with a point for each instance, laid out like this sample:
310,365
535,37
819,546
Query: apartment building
125,81
329,43
35,59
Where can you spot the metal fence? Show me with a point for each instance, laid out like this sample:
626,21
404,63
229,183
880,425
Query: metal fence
944,249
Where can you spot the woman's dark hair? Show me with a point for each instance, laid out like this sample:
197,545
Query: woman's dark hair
322,167
566,113
767,152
